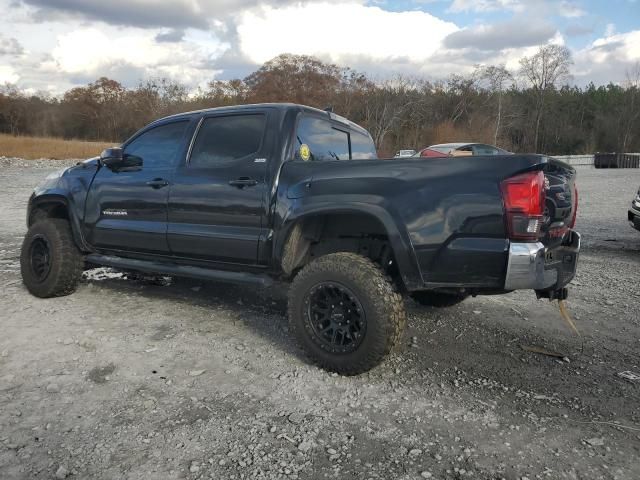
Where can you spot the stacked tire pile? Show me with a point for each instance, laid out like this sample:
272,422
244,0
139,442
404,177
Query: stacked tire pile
617,160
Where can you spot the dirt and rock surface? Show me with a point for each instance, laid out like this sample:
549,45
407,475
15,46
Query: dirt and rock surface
184,379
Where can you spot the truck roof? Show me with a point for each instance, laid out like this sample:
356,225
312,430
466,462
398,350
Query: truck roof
279,106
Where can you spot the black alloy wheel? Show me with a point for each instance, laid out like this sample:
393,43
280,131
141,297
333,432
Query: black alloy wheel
336,317
40,258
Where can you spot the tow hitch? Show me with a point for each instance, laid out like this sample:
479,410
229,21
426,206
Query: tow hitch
559,294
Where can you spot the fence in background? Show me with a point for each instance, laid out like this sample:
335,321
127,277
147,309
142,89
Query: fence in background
575,160
603,160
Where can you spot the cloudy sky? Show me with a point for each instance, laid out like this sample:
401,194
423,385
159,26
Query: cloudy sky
52,45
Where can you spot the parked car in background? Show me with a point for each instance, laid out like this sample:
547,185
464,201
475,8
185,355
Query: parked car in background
460,150
405,153
634,212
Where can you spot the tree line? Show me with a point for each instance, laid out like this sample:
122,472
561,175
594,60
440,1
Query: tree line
533,109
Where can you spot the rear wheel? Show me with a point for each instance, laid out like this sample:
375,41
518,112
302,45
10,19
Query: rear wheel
345,312
438,299
50,262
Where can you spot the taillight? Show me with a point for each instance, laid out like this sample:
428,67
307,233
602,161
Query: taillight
523,197
575,206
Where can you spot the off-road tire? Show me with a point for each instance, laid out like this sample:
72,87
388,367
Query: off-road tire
66,261
383,307
438,299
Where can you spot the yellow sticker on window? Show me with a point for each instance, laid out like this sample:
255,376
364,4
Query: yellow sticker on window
305,153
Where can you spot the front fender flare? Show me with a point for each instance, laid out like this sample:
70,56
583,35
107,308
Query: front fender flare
59,198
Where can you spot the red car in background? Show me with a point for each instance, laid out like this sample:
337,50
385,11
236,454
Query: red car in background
460,150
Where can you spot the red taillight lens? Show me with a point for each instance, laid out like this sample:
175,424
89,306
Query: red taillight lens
523,197
575,206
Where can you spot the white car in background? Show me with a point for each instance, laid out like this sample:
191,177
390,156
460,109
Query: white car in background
404,153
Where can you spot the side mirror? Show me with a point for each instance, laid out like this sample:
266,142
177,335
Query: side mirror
111,157
115,159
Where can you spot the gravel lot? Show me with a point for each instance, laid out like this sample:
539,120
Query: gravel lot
126,379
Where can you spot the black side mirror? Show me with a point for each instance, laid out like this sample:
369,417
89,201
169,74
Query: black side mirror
115,159
111,157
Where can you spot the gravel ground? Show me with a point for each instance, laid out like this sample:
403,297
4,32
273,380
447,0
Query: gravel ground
184,379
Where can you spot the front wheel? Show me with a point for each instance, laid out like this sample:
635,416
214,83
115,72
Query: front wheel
345,312
50,262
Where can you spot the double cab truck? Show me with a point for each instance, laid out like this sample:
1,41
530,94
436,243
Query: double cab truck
282,192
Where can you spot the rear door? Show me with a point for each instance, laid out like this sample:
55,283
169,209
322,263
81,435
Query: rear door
126,209
216,203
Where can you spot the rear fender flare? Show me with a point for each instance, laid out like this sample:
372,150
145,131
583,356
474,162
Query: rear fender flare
398,237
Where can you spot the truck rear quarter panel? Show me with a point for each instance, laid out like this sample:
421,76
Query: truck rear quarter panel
444,216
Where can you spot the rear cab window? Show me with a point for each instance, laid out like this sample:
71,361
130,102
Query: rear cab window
362,147
320,139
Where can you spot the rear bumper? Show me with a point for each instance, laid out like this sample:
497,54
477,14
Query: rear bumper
532,267
634,217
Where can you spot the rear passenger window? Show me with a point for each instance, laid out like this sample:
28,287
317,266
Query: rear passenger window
226,139
362,146
323,140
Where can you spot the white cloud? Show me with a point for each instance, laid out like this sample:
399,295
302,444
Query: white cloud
63,52
608,58
570,10
621,46
463,61
340,31
8,74
92,51
564,8
485,5
10,46
610,30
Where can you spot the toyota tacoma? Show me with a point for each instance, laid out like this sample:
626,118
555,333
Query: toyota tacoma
282,192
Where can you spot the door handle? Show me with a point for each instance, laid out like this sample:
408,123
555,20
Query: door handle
243,182
158,183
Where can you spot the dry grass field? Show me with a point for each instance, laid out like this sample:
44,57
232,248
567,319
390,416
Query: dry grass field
44,147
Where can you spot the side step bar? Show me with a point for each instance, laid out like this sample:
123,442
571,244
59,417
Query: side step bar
148,266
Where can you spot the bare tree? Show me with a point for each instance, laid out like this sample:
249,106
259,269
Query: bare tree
384,105
544,70
12,107
631,110
461,88
400,112
498,79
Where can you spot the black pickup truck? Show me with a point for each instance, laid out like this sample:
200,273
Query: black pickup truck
258,193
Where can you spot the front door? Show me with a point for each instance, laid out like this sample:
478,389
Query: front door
216,208
126,208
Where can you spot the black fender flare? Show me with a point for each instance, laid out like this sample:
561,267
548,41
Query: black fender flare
398,235
37,201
